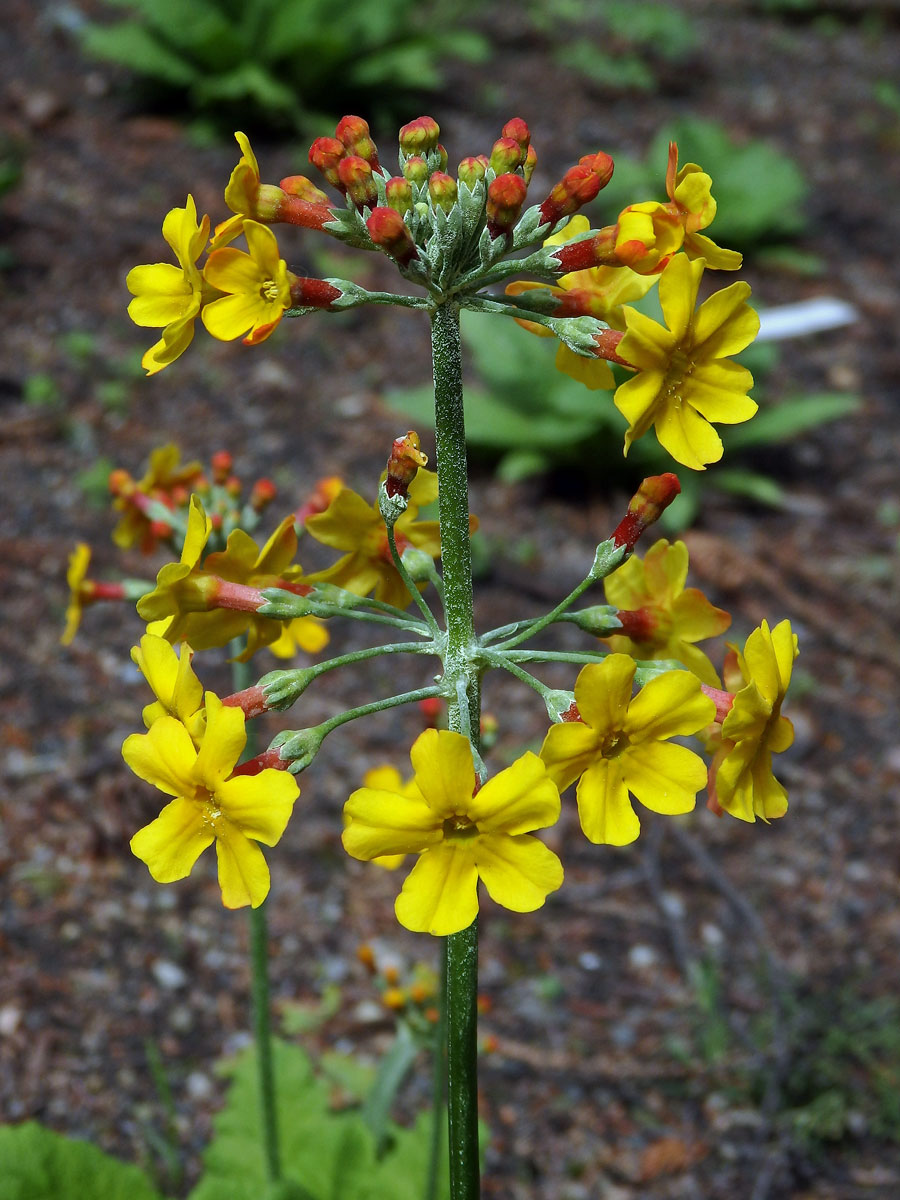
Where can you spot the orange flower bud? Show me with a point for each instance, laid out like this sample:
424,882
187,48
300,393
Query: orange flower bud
353,132
366,956
598,251
506,154
420,136
389,233
391,975
518,131
404,462
325,153
398,193
431,709
221,463
262,494
529,164
303,189
415,169
601,164
578,186
356,182
646,506
505,198
121,482
443,190
470,170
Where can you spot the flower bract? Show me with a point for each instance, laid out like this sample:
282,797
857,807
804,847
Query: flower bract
685,379
620,746
460,835
754,729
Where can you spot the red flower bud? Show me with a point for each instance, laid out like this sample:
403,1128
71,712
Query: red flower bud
443,190
518,131
420,136
578,186
431,709
221,463
470,170
389,233
325,153
415,169
505,198
313,293
303,188
506,154
404,462
353,132
356,181
646,506
598,251
262,494
398,193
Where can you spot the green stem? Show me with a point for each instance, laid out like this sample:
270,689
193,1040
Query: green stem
438,1089
414,592
462,675
548,618
259,977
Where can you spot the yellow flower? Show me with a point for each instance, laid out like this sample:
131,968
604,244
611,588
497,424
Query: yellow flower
754,729
185,590
256,286
240,194
619,745
608,287
208,806
386,778
684,378
460,837
171,296
303,633
690,195
178,691
165,474
79,561
350,524
663,618
648,235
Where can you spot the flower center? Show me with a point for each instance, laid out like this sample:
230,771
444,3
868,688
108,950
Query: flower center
212,814
614,744
269,290
681,367
459,828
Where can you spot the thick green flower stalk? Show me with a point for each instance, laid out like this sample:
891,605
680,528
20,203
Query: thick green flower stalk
640,679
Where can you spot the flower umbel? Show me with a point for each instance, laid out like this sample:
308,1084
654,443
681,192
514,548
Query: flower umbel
460,835
685,379
620,745
208,806
754,729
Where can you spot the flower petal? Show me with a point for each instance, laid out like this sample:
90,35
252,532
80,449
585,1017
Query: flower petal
568,750
172,843
243,872
603,692
689,438
440,894
444,771
259,805
521,798
668,705
604,809
222,745
387,822
664,777
518,872
164,756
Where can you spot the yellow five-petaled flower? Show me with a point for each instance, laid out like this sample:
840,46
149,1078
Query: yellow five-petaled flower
620,745
257,288
208,806
460,835
685,379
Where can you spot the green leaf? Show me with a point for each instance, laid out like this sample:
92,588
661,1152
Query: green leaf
38,1164
781,422
132,46
740,481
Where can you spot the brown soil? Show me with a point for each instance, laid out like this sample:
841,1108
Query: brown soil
598,1085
